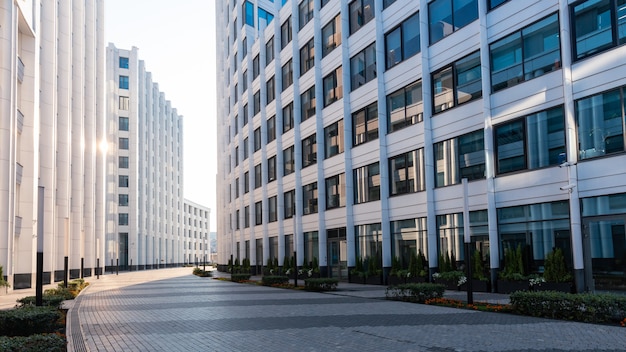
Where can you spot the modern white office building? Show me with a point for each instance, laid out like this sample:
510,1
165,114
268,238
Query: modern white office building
51,129
196,242
144,189
347,127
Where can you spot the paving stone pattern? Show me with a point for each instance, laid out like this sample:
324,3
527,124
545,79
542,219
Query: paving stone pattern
172,310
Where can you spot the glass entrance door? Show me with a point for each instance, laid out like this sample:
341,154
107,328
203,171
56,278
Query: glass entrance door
338,254
605,253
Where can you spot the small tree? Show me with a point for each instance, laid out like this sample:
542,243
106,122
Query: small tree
513,264
478,269
395,266
555,268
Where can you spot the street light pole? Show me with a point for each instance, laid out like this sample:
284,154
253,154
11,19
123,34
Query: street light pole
468,244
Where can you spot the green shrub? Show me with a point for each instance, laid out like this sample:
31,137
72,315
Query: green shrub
202,273
321,284
585,307
34,343
555,268
29,320
59,291
270,280
3,282
415,292
239,277
513,265
46,300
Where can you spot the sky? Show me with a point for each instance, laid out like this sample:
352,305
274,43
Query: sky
176,40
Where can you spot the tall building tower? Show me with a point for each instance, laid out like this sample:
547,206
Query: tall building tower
196,245
51,129
145,214
347,129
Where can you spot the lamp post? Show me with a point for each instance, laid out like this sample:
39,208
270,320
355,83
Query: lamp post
468,244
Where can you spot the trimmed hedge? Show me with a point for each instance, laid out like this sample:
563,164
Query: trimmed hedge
270,280
415,292
239,277
47,301
30,320
34,343
202,273
584,307
321,284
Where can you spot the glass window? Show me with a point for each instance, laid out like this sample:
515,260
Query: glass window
271,129
365,124
311,246
331,35
289,198
123,219
305,11
495,3
458,83
237,156
369,243
307,57
510,64
333,139
288,122
123,62
271,90
537,229
307,100
123,181
123,143
123,82
249,13
123,123
403,41
246,182
258,213
124,103
405,107
246,216
309,198
367,183
123,162
599,121
409,239
271,169
237,187
363,67
468,79
257,139
269,51
244,47
324,2
264,18
333,87
447,16
458,158
258,181
592,26
255,67
256,105
407,172
237,224
451,234
287,72
361,12
309,151
245,148
123,200
336,191
285,33
387,3
273,211
531,142
289,165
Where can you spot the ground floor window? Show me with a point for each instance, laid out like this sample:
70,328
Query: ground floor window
409,237
311,247
537,229
451,235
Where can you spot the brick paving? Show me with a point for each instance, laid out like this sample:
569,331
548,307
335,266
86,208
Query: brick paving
172,310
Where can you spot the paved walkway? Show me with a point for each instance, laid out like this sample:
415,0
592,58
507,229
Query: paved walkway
172,310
